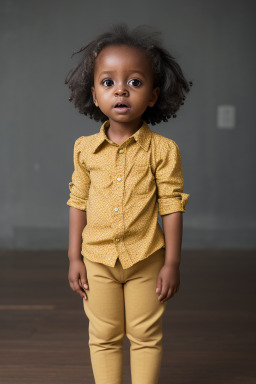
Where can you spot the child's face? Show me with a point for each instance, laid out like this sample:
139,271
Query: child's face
129,80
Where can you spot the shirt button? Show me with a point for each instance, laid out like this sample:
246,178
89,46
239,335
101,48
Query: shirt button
118,178
117,239
116,208
120,150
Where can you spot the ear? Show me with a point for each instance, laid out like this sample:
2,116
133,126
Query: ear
94,96
154,96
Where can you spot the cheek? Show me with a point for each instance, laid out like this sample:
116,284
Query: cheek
143,97
104,102
100,96
105,99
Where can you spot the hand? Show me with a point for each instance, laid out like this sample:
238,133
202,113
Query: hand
168,282
77,277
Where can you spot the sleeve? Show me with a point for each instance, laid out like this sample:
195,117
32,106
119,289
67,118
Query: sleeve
79,187
169,181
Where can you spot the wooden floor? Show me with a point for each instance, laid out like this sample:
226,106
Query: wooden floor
209,326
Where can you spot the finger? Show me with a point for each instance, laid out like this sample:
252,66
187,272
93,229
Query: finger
82,289
83,283
84,286
163,293
76,288
84,280
176,289
159,285
168,295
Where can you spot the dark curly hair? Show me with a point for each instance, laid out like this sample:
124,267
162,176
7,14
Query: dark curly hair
167,74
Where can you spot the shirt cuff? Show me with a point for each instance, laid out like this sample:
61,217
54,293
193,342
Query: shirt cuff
77,203
172,204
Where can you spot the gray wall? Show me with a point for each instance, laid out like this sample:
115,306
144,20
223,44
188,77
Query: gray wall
214,44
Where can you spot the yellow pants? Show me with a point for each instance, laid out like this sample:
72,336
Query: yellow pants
124,301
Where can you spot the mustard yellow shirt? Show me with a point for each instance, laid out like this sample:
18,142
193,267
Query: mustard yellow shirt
122,188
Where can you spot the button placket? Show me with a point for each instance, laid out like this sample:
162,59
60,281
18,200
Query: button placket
118,196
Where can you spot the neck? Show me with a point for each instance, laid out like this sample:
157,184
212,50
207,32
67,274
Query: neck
122,130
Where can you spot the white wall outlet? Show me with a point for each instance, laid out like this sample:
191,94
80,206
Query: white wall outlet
226,116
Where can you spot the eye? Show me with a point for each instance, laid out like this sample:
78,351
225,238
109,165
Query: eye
136,83
109,82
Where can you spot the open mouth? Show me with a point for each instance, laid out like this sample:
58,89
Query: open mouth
119,105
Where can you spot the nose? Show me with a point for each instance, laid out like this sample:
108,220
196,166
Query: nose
121,91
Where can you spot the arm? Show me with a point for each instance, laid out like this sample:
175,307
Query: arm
77,274
173,226
77,222
79,192
168,280
172,201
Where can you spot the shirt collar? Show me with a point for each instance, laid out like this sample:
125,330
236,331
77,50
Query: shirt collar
142,136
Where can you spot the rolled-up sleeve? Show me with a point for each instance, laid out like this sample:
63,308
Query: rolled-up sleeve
79,187
169,180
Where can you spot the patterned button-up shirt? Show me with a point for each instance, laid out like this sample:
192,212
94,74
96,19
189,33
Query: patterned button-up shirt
122,188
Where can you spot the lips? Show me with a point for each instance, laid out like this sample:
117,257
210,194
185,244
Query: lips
122,104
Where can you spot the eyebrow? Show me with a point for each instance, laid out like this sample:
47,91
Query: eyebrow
133,71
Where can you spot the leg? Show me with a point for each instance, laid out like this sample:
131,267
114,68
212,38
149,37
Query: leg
143,312
105,311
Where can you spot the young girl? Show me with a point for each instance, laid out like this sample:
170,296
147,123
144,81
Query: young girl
121,262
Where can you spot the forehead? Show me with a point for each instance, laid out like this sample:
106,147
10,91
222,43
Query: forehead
122,57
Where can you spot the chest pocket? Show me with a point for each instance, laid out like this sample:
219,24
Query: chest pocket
142,179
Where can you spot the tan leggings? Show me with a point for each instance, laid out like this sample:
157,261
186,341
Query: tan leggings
124,301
